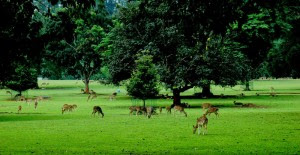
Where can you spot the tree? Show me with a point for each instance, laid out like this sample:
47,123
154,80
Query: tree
20,45
77,31
143,83
176,33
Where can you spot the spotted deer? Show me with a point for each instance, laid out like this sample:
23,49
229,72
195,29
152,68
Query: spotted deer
19,108
137,109
92,95
97,109
180,108
66,107
201,123
206,106
212,110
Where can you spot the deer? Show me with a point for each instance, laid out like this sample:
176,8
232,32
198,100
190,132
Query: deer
97,109
237,103
35,104
66,107
150,111
205,106
201,123
168,109
179,108
19,108
212,110
113,96
137,109
92,95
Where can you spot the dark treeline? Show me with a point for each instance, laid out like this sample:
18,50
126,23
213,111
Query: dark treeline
191,43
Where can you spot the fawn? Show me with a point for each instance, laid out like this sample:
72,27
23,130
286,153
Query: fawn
97,109
212,110
180,108
201,122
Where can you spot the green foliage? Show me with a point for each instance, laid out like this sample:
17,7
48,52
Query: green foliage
143,83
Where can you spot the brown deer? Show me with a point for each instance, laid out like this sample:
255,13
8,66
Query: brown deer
113,96
212,110
201,123
168,109
97,109
205,106
35,104
180,108
237,103
65,107
150,111
19,108
137,109
92,95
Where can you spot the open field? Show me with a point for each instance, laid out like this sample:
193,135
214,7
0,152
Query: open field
271,128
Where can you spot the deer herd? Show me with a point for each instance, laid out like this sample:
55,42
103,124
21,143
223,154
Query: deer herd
201,122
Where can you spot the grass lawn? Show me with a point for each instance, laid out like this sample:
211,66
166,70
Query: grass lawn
271,128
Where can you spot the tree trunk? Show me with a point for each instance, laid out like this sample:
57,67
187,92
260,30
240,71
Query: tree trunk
247,86
176,97
86,83
206,91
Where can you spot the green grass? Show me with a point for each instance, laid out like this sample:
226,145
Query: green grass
273,128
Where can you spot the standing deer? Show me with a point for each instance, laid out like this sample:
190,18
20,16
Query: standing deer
92,95
179,108
212,110
168,109
205,106
201,122
97,109
19,108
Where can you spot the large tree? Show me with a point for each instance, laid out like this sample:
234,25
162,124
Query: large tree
20,45
177,33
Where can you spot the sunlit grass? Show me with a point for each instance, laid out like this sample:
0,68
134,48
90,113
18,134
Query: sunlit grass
272,127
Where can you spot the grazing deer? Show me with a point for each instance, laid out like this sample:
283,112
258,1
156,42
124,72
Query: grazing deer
212,110
160,110
150,111
180,108
168,109
92,95
137,109
113,96
66,107
35,104
19,108
205,106
97,109
201,123
237,103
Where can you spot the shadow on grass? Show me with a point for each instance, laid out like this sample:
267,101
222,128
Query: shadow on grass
10,116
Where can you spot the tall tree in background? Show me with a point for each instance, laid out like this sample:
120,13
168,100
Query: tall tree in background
20,45
143,83
177,34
